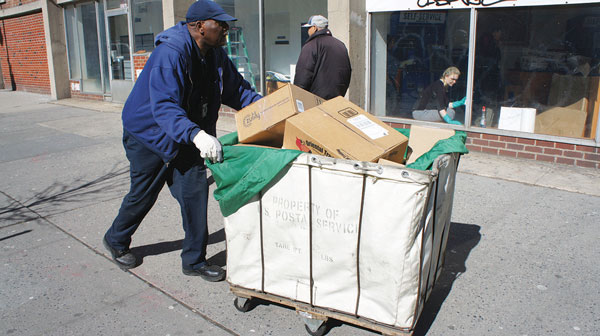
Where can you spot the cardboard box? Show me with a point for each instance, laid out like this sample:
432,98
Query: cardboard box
422,139
263,121
255,146
390,163
561,121
338,128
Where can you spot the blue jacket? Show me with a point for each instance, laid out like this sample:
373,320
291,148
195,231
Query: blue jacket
160,109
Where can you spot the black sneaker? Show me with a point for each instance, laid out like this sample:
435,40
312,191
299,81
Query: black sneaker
212,273
125,259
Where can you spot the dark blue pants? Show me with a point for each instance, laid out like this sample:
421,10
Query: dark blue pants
186,177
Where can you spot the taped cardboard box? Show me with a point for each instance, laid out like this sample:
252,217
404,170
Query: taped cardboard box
263,121
423,138
341,129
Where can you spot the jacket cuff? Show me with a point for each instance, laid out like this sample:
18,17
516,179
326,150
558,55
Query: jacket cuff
193,134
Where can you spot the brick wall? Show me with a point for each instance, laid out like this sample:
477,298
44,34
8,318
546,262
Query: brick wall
88,96
139,60
15,3
540,150
23,55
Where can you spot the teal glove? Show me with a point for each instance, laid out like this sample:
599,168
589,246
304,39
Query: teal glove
450,121
459,102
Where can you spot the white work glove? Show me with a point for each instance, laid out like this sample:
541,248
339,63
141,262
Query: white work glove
209,146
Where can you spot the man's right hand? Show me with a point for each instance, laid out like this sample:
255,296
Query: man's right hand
209,147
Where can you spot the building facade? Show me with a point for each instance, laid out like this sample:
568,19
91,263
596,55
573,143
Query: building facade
530,69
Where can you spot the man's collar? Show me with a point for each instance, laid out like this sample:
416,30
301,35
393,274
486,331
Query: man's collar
321,32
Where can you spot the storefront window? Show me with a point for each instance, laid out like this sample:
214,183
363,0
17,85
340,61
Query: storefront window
116,4
72,44
410,53
83,47
103,47
537,70
243,41
147,23
284,36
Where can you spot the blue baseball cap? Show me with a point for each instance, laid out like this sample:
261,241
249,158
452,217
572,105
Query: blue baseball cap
206,9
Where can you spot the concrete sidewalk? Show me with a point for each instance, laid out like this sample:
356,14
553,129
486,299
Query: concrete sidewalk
543,174
521,255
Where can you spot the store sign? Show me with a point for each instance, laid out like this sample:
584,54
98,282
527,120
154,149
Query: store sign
422,17
411,5
444,3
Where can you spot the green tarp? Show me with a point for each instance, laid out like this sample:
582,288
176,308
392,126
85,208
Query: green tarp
246,170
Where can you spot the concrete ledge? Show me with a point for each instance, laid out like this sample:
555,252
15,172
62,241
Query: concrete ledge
101,106
32,7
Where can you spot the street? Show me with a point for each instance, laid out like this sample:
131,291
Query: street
522,255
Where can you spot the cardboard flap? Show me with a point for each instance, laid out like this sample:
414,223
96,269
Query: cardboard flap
423,138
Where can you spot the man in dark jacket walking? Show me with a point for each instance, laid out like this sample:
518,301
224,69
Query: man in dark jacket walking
169,129
323,67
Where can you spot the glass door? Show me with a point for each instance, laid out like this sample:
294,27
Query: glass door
118,28
120,56
85,33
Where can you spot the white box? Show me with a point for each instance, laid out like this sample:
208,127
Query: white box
517,119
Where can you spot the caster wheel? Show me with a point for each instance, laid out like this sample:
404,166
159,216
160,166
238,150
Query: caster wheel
242,304
320,331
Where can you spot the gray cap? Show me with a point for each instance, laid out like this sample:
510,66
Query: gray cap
318,21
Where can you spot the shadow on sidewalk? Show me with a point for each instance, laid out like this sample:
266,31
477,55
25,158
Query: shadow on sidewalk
65,196
165,247
155,249
461,241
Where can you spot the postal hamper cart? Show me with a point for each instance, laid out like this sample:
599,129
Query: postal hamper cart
360,242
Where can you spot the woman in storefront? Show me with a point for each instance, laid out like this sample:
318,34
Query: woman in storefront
434,105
